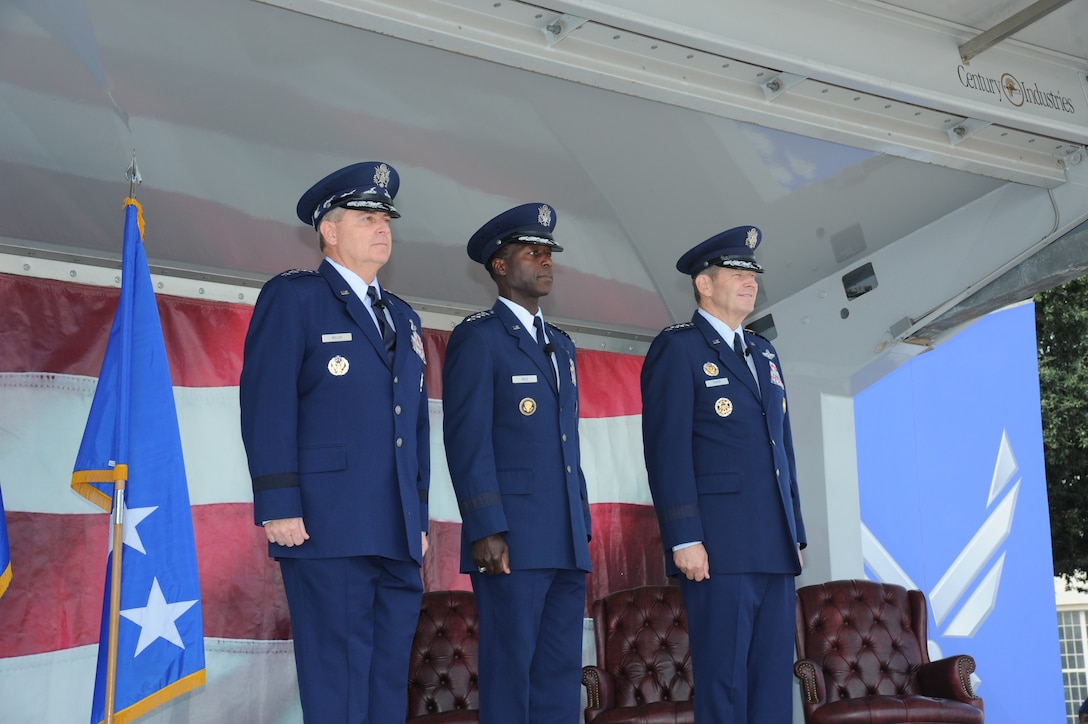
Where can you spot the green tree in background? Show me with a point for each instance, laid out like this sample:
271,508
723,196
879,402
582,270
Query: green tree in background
1061,318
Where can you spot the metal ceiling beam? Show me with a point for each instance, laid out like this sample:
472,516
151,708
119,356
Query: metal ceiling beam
931,282
1010,26
1064,259
687,62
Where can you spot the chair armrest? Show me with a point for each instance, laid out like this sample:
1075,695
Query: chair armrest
599,693
949,678
812,681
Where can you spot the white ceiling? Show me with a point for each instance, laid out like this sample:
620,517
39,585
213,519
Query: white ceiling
234,107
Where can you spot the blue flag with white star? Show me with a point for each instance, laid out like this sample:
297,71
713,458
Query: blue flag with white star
5,551
132,436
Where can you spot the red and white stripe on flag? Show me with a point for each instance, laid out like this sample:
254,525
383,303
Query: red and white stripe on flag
54,337
52,340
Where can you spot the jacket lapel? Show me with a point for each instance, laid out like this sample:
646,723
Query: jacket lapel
763,363
526,343
724,350
405,329
356,308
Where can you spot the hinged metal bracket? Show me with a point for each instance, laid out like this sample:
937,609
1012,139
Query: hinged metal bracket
561,27
779,84
965,129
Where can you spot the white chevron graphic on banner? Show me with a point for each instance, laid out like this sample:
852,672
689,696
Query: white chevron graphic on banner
969,569
880,561
965,570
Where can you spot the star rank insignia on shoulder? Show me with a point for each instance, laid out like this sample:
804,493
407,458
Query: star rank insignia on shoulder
560,330
677,327
756,334
767,352
479,315
299,272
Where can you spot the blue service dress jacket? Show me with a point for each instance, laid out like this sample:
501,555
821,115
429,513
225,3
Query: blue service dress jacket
719,451
335,434
511,438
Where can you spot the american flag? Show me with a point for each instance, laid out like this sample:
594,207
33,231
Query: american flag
55,339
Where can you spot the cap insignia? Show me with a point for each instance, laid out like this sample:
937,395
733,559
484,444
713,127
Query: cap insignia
752,238
381,176
544,215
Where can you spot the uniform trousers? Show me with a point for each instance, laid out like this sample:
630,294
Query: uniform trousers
741,631
530,645
353,620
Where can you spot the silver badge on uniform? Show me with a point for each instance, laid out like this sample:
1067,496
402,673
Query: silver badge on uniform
752,239
544,215
338,366
724,407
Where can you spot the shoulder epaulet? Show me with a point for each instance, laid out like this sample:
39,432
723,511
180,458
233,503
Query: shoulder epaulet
756,334
558,329
479,315
300,273
387,293
679,326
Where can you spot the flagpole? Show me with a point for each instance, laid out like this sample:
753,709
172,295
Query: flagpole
120,477
120,468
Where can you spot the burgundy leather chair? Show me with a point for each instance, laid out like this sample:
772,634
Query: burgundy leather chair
862,657
643,671
443,665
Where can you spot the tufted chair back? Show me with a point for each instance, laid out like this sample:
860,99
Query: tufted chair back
862,649
868,637
443,665
643,659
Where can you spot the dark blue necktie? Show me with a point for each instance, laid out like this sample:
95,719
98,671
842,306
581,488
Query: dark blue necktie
738,348
538,323
388,337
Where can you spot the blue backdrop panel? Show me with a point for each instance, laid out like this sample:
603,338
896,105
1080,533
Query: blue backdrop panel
953,502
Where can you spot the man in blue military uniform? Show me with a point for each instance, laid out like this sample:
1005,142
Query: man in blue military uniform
719,455
510,407
335,425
